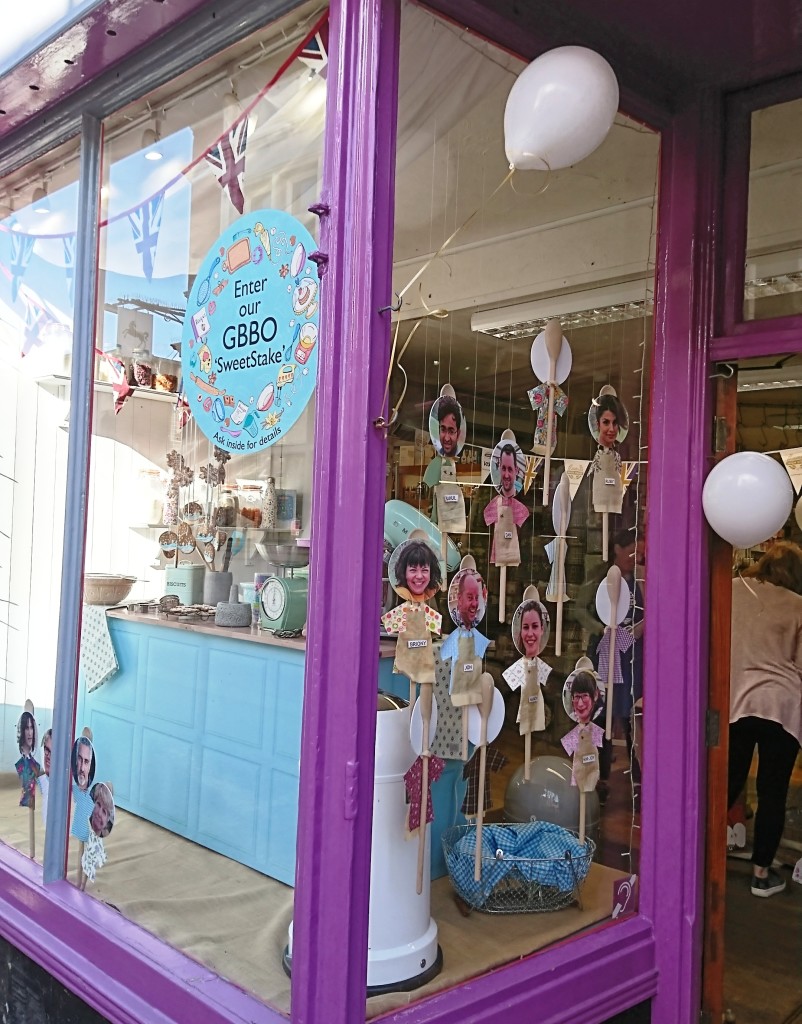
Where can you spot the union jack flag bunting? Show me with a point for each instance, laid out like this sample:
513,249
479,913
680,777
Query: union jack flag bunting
315,53
227,158
22,247
146,222
39,321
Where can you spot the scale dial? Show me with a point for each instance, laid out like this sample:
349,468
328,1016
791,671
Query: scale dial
274,599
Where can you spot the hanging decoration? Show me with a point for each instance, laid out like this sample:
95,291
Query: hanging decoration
315,52
576,469
22,246
414,573
69,265
556,551
146,221
505,513
529,674
465,647
747,497
583,741
101,822
551,362
560,109
609,424
28,768
792,460
448,430
613,599
227,160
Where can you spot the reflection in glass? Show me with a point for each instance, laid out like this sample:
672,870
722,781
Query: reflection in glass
38,220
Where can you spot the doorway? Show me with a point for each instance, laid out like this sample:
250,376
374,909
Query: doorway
752,945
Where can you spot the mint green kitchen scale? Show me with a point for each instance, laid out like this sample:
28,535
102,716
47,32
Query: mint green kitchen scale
283,603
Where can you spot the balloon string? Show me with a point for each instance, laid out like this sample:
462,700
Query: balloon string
453,235
380,421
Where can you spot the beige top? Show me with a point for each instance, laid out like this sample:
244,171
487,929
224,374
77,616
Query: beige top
766,667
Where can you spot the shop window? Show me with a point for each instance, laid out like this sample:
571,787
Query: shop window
483,265
38,207
190,694
773,274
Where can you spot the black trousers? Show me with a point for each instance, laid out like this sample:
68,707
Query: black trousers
776,754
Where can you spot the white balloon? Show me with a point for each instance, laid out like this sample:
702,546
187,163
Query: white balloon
560,109
747,498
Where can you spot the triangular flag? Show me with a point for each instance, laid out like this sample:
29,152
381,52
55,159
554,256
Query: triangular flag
792,459
629,470
22,247
146,222
69,265
576,469
227,158
315,53
486,454
533,464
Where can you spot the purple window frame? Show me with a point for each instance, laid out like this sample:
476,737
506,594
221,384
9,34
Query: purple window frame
654,954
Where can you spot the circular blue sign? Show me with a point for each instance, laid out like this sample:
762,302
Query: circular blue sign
250,339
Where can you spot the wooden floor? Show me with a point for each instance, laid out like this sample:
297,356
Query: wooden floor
763,940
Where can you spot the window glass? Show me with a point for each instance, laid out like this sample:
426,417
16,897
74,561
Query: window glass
38,207
497,261
773,277
190,694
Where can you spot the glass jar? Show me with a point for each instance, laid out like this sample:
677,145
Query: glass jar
250,503
227,507
148,497
270,505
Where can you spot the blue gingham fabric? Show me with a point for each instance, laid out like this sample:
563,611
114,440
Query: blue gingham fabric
536,851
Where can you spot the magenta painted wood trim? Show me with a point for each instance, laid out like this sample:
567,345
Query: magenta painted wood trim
776,337
90,50
336,781
677,590
118,968
615,962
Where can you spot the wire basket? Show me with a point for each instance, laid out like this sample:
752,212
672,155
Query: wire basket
526,868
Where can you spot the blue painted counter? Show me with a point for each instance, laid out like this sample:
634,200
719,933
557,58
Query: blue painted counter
200,732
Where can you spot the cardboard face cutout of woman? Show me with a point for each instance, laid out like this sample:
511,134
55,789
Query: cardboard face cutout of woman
530,634
27,767
414,572
609,425
583,741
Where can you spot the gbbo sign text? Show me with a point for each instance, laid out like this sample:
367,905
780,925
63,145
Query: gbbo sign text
249,344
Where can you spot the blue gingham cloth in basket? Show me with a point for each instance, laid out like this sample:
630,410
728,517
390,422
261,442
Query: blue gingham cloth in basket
534,850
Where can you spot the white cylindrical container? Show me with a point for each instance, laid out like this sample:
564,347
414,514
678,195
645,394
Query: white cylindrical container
402,935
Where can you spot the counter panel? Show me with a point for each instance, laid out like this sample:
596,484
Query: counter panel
200,732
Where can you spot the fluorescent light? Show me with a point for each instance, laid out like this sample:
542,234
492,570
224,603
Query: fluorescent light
575,309
770,379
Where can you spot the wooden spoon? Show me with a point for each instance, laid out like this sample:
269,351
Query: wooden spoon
613,592
554,339
426,718
488,690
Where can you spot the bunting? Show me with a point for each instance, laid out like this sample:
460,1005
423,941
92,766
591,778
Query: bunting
533,464
146,222
629,470
22,247
315,53
69,265
576,469
227,159
792,459
39,321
